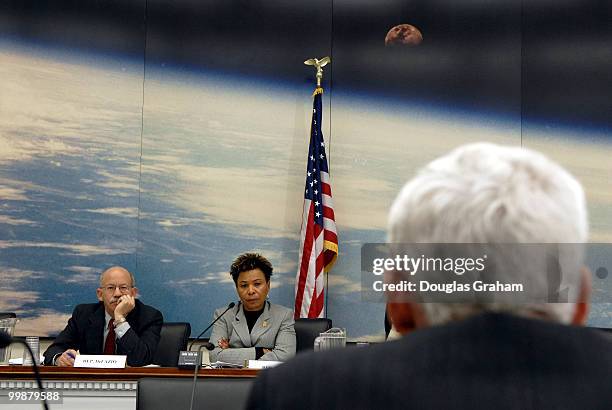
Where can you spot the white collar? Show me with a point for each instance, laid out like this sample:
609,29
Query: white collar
107,318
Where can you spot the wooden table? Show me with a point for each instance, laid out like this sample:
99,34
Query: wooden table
93,389
129,373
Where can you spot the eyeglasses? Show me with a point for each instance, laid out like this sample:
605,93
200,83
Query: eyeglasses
111,288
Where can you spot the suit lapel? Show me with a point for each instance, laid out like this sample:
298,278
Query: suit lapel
263,324
95,331
241,328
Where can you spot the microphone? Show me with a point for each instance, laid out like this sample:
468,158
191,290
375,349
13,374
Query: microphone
188,359
208,345
5,340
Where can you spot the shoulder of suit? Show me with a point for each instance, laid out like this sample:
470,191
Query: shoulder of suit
232,311
280,309
87,307
146,308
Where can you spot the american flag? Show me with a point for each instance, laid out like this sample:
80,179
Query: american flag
318,238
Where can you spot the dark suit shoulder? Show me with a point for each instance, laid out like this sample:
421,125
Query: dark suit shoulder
147,310
505,359
85,309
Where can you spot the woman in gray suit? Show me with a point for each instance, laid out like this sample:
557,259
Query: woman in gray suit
254,329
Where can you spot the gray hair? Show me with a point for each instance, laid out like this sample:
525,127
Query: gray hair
119,268
486,193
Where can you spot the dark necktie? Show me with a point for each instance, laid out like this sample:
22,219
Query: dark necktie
109,343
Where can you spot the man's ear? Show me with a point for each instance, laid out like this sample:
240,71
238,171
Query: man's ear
99,294
581,312
406,316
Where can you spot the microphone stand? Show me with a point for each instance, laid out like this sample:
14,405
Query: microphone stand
6,340
36,374
195,374
208,346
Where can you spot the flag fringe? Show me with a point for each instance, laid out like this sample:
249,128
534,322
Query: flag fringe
332,247
317,90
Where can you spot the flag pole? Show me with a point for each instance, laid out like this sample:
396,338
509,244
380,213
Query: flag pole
318,235
319,64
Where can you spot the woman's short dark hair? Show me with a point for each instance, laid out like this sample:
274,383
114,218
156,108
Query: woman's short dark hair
249,261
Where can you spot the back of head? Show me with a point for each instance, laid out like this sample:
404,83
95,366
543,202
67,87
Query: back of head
486,193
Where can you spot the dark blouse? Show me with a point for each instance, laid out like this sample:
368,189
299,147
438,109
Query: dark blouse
252,316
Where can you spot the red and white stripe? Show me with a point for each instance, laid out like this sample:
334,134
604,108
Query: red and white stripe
318,252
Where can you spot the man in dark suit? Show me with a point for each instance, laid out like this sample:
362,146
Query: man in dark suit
118,324
481,354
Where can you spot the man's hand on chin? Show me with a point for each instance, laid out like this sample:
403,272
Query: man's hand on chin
126,305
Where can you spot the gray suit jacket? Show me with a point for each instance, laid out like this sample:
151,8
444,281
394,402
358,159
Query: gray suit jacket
273,330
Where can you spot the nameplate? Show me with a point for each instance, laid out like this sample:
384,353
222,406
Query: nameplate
100,361
262,364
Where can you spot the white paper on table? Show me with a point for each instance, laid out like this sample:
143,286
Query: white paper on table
220,364
19,361
263,364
